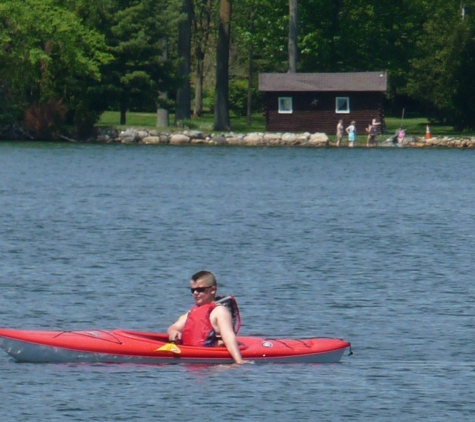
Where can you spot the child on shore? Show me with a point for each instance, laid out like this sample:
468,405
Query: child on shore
351,131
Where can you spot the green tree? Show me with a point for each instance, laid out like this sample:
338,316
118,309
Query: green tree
46,54
135,32
362,35
265,31
260,33
357,35
442,67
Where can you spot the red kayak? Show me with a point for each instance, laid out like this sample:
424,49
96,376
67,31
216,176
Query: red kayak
123,346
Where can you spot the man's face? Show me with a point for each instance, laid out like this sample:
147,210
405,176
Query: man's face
202,292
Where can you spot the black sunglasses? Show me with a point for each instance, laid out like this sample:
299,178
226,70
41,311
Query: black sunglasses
200,289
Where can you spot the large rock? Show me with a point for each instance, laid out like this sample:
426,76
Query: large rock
142,134
199,141
194,134
289,138
253,139
128,136
179,139
218,139
318,140
235,139
151,140
273,139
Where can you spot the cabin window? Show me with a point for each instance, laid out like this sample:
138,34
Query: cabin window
342,105
285,105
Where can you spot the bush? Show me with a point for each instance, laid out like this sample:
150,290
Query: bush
84,121
44,120
238,98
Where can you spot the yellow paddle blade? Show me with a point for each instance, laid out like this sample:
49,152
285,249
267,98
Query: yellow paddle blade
169,347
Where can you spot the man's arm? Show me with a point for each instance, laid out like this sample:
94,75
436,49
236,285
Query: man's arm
174,331
223,319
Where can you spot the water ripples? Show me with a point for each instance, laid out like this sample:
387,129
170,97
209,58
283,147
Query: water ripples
373,246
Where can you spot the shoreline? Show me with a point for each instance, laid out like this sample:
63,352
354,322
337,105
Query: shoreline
305,139
139,136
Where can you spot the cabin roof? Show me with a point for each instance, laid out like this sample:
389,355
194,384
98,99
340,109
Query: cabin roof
318,82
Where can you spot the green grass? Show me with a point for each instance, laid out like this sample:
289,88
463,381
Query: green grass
204,123
417,127
112,119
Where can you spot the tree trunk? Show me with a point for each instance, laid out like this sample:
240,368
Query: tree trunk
221,106
335,48
162,111
249,75
123,113
198,110
202,28
293,34
183,96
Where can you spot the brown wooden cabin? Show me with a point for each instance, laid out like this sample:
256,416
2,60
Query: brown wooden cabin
314,102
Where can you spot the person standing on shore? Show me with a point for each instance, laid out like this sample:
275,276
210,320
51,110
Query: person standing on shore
340,130
371,139
351,131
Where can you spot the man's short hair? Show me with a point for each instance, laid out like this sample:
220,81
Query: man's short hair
206,276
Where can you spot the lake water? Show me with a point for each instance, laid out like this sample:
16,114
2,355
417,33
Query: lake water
374,246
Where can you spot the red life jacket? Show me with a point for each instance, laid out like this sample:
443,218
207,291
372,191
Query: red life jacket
197,325
199,331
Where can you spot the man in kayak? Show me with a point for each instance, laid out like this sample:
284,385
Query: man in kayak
193,329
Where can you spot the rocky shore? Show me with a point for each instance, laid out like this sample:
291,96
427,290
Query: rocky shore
196,137
435,142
